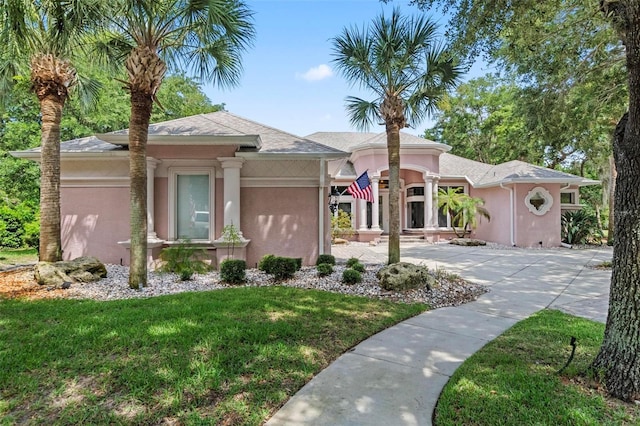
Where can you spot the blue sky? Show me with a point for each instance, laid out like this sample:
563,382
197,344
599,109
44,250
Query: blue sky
288,81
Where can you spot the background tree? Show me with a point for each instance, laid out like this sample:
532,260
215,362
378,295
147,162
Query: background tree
401,61
204,37
607,60
42,37
20,130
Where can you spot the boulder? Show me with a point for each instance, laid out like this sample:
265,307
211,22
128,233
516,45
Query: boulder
82,269
405,276
467,242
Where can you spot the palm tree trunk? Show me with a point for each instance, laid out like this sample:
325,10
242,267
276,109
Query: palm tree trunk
50,241
141,104
393,149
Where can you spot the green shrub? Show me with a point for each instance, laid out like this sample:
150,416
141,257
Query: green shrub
184,259
233,271
352,261
351,276
324,269
13,219
580,227
341,226
359,267
266,263
298,263
283,268
326,258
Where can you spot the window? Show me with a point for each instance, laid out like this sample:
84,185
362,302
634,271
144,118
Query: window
415,206
190,201
569,197
538,201
444,219
414,191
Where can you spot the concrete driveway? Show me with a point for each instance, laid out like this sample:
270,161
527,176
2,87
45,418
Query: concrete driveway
396,376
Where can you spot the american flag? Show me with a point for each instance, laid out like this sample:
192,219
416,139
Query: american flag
361,188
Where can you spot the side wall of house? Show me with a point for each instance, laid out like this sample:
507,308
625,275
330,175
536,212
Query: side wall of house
498,228
533,230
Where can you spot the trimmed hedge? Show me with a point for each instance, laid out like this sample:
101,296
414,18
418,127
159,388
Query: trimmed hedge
233,271
359,267
351,276
352,261
324,269
326,258
281,268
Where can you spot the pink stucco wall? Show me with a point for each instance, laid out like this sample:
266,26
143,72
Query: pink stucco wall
531,230
496,201
280,221
94,219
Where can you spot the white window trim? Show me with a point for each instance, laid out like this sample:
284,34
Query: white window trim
576,197
544,193
174,172
346,198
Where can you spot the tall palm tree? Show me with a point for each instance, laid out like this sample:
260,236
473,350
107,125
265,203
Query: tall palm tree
401,62
206,37
40,38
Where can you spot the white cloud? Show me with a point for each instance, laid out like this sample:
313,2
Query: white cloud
320,72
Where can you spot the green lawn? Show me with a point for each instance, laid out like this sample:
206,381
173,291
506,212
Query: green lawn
222,357
10,257
514,381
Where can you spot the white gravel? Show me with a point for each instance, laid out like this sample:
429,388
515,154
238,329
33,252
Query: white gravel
450,291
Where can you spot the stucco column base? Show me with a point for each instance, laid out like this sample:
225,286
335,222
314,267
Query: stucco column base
226,250
368,235
154,247
431,235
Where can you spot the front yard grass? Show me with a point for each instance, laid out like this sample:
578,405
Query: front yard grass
11,257
222,357
513,380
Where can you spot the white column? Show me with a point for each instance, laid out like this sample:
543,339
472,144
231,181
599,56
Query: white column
375,207
362,214
151,171
435,202
428,202
231,168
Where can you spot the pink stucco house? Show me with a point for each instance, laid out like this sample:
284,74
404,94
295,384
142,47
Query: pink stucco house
212,170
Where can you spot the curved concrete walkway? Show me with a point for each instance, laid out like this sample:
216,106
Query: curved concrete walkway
395,377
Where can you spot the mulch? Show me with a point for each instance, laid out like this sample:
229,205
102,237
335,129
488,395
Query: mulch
20,283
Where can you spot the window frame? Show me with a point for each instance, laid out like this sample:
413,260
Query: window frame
174,172
575,196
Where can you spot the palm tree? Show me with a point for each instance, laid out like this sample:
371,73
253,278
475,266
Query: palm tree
206,37
40,38
400,61
462,208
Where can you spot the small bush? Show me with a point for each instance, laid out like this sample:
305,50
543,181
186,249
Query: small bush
326,258
266,263
359,267
283,268
351,276
298,263
233,271
580,227
185,260
324,269
352,261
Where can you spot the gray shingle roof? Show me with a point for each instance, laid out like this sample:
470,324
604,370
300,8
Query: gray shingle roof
348,141
217,126
485,175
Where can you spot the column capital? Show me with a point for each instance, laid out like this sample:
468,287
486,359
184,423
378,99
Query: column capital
231,162
152,163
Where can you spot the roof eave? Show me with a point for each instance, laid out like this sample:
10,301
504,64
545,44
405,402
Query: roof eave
567,181
290,155
251,141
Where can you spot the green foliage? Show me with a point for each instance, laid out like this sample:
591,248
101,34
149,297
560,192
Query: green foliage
184,259
14,219
324,269
231,236
281,268
233,271
266,264
298,263
463,209
326,258
580,227
352,261
351,276
341,226
358,267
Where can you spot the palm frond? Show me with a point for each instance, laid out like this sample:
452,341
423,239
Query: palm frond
362,114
